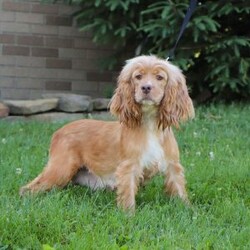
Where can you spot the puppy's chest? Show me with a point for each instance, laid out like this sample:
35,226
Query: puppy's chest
153,153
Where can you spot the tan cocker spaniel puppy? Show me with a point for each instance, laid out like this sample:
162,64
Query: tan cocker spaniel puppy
151,96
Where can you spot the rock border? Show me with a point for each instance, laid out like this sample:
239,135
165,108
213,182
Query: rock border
55,107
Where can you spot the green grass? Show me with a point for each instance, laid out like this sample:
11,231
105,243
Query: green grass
215,152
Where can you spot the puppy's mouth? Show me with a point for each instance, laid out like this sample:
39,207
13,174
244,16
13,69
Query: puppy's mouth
147,100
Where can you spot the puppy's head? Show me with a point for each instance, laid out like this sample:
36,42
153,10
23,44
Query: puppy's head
148,80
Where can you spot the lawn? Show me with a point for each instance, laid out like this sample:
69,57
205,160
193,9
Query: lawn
215,152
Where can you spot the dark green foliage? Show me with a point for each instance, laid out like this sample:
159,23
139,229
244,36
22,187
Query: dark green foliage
213,52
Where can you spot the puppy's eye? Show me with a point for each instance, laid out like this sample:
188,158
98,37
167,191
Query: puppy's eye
138,77
159,78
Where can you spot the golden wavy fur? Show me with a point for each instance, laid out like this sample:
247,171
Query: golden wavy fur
151,96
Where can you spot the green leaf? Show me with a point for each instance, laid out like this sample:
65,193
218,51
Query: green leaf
218,29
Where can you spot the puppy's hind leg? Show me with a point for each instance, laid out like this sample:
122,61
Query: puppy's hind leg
58,173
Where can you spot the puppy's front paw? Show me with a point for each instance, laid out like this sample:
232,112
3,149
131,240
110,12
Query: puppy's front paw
127,204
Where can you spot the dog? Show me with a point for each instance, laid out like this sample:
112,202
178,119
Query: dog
151,96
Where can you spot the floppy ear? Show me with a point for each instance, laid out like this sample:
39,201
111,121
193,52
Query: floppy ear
123,102
176,104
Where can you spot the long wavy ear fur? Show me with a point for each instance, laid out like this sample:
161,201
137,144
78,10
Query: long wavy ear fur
123,104
176,105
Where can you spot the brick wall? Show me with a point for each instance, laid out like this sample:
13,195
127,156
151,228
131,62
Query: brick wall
41,50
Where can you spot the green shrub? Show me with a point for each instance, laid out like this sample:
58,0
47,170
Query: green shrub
213,52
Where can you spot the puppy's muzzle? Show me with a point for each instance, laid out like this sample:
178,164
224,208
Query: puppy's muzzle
146,89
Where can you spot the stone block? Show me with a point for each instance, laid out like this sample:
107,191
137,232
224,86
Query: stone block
72,102
56,117
16,50
4,110
22,107
101,103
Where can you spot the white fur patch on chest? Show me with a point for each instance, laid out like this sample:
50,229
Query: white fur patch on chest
153,153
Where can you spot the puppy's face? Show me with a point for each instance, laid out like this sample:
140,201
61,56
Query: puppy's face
148,80
149,83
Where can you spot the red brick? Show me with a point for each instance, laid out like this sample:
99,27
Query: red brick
8,60
58,63
27,62
4,38
58,21
84,64
14,27
30,40
44,52
39,29
58,85
95,76
84,43
45,8
32,18
7,16
85,86
72,53
16,50
97,54
58,42
14,6
14,93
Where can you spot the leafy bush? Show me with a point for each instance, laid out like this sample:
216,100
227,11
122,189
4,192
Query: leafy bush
213,52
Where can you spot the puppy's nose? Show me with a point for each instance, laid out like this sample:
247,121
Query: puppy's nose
146,89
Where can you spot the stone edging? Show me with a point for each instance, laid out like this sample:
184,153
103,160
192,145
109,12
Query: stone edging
54,106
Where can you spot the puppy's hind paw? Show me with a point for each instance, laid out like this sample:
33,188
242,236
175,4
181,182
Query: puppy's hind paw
24,191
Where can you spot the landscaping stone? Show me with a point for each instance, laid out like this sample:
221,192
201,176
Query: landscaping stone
23,107
60,117
4,110
57,117
101,103
72,102
47,117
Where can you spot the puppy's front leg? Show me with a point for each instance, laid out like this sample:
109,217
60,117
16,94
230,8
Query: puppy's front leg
175,181
127,176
